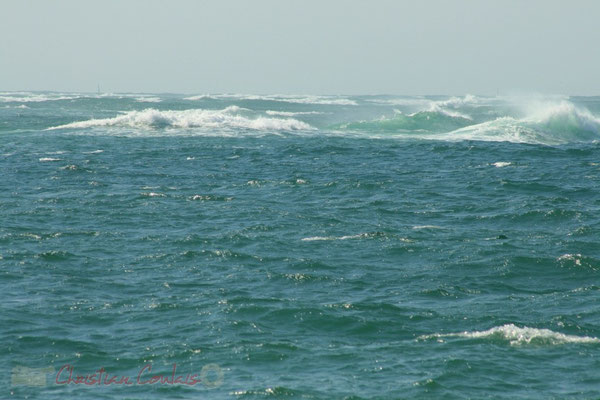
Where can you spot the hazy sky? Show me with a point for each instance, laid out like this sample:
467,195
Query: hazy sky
288,46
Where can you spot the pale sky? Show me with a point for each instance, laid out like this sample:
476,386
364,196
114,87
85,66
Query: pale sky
308,47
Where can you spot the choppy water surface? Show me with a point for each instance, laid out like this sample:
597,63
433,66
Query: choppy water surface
312,247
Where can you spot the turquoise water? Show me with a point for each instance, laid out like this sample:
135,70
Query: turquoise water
310,247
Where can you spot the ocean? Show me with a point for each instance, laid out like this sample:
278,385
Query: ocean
163,246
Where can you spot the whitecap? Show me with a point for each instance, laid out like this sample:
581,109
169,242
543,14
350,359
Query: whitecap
199,97
298,99
292,113
320,238
20,106
149,99
547,123
454,102
425,104
516,335
417,227
228,118
23,97
320,100
576,258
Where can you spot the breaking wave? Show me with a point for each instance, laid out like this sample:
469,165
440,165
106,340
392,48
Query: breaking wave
550,124
25,97
423,121
519,336
297,99
228,118
148,99
424,103
544,123
292,113
546,120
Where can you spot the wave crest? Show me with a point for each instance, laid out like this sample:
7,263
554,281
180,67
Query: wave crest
228,118
296,99
519,336
566,117
422,121
368,235
557,123
550,123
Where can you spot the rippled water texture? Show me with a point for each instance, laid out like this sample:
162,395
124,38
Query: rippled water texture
314,247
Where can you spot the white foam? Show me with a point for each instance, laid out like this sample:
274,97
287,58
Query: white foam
199,97
546,123
322,100
501,164
504,129
454,114
21,106
402,101
292,113
442,106
468,99
447,106
228,118
519,336
49,159
319,238
424,104
563,113
150,99
25,97
154,194
417,227
576,258
209,197
298,99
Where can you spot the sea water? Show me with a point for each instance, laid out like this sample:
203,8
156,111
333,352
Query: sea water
160,246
